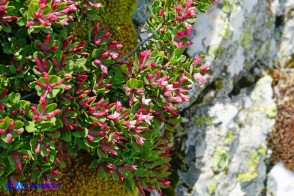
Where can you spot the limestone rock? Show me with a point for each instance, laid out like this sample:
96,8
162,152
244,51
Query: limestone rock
226,145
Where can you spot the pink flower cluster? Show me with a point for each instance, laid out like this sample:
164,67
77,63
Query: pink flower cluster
4,19
40,18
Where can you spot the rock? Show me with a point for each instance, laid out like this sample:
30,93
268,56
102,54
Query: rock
284,179
226,150
234,35
287,37
226,146
141,14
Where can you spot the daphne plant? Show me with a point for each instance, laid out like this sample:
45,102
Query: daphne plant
60,95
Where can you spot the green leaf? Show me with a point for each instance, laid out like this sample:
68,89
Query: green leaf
47,9
18,124
36,175
51,107
54,135
6,48
12,161
21,21
30,127
33,8
81,143
102,172
118,78
66,136
140,172
134,83
72,151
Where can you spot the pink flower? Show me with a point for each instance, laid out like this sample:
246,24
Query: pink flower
196,60
199,78
17,161
161,12
129,167
188,12
184,33
144,56
204,68
140,141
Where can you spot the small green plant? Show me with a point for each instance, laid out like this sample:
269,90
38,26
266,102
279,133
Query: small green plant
59,95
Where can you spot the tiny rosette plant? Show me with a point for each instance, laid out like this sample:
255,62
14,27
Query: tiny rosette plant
60,94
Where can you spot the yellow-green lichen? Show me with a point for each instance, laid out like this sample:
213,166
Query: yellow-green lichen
253,163
226,33
270,110
262,151
214,50
221,158
246,36
227,6
229,137
203,120
211,188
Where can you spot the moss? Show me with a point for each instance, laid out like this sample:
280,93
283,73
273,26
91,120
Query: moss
78,179
117,17
221,158
290,63
211,188
218,83
253,163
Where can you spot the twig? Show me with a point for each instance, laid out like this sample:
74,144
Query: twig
141,43
29,95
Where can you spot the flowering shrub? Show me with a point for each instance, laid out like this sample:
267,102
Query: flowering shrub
59,95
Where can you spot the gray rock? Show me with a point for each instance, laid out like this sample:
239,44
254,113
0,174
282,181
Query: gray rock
226,146
141,14
225,149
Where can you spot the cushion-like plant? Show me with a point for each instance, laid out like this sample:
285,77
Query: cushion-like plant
60,94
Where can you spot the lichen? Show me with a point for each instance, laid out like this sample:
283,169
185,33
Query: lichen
253,163
211,188
214,50
227,6
226,33
229,137
246,35
221,158
202,120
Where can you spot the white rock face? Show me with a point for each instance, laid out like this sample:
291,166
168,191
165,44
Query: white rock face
225,152
229,145
284,179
